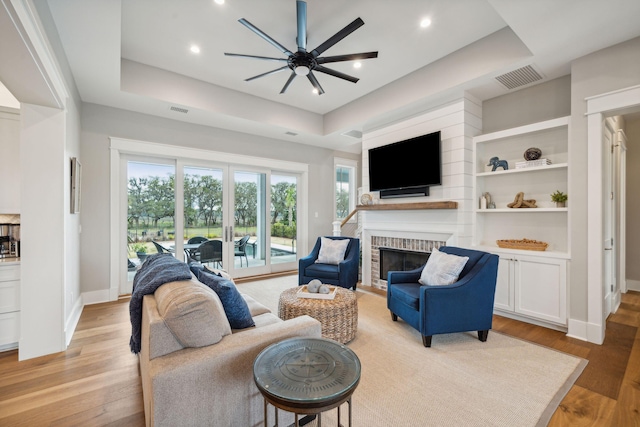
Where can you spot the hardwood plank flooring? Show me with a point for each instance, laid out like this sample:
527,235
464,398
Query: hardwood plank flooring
96,382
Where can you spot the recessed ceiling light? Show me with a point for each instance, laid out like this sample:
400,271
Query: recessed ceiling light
357,64
195,49
315,91
425,22
219,1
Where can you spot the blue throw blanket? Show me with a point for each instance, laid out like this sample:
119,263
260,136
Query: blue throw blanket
156,271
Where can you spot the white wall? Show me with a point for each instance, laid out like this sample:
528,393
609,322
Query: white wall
99,123
42,231
632,130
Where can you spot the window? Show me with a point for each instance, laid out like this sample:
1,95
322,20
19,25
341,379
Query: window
345,187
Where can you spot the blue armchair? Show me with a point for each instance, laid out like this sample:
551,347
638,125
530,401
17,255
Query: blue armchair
344,274
466,305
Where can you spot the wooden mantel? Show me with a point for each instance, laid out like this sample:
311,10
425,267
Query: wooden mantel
401,207
407,206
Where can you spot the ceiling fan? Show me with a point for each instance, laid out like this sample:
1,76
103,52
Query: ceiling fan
303,62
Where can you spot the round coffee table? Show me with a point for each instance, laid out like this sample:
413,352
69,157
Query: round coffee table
338,316
306,376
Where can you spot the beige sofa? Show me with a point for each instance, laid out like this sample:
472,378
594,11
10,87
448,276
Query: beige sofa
195,370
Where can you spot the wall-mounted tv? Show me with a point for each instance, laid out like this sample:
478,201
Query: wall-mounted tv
406,168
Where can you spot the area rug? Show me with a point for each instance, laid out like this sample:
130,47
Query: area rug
459,381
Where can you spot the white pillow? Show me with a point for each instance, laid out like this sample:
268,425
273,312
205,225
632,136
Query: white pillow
442,269
332,250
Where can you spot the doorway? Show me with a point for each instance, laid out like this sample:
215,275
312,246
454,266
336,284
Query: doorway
599,108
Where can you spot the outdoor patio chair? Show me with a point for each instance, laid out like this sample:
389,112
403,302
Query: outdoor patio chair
241,249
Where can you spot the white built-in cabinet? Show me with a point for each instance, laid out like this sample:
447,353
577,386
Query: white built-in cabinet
9,305
531,284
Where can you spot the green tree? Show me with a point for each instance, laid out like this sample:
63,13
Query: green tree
209,199
246,200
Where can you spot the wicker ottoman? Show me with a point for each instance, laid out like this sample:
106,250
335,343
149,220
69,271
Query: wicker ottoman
339,316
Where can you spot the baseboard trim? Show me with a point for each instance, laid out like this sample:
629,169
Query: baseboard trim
633,285
72,321
577,329
96,297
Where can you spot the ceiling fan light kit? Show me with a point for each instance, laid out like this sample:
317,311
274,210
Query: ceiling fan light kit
303,62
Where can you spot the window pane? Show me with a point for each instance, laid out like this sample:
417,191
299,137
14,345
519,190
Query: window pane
343,191
284,214
249,219
151,210
202,203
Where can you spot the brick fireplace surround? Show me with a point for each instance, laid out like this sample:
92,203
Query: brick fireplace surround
416,245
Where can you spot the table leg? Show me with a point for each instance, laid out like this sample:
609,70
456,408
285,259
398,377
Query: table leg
265,413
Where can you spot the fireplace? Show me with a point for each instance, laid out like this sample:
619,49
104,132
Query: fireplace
417,245
392,259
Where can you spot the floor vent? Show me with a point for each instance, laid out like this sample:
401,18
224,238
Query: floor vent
520,77
179,110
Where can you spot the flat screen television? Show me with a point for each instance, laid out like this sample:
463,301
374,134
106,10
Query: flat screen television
406,168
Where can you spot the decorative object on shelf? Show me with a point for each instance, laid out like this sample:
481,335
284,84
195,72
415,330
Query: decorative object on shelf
527,244
485,201
532,153
533,163
366,199
520,202
497,163
559,198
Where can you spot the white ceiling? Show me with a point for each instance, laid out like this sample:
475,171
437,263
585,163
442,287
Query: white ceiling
135,55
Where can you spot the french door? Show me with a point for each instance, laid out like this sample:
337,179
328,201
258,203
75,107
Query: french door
175,205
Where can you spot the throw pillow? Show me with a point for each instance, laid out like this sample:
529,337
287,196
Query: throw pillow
332,250
235,307
442,269
192,312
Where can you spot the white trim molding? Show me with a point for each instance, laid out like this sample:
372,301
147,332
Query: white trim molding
598,108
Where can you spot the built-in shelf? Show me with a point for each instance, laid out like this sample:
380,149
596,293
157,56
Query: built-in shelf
523,170
408,206
522,210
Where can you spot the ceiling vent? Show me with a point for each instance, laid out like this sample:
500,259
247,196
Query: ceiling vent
520,77
291,133
179,110
353,134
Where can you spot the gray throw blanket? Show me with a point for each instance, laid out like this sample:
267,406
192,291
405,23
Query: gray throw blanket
156,271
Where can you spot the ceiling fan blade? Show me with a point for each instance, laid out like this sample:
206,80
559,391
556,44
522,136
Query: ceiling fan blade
267,58
350,57
286,85
315,82
335,73
277,70
262,34
357,23
301,8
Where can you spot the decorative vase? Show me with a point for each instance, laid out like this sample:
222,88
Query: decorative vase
560,204
532,153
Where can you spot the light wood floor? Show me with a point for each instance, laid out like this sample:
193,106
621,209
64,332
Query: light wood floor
95,382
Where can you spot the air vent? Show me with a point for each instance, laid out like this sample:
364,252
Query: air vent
291,133
520,77
179,110
353,134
